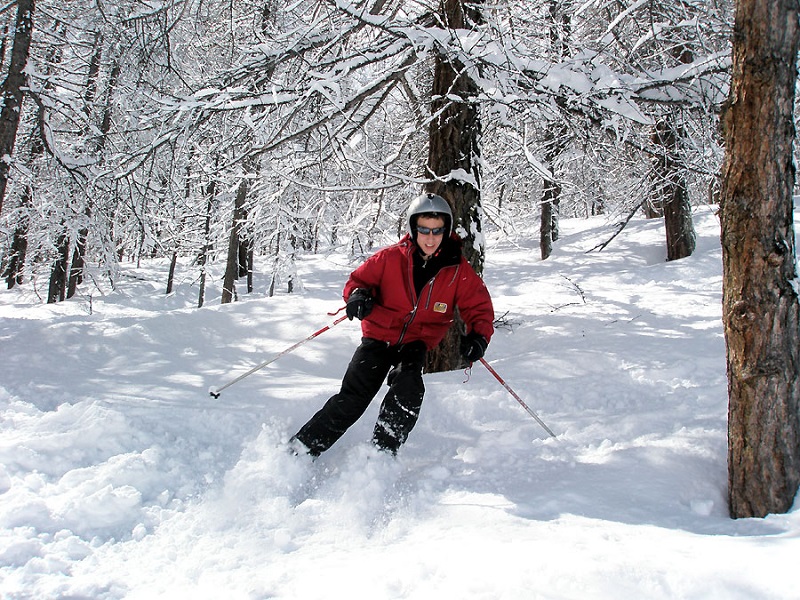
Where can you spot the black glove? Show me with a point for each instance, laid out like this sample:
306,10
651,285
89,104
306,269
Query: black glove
473,346
360,304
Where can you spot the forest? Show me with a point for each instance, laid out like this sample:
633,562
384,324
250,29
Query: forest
249,132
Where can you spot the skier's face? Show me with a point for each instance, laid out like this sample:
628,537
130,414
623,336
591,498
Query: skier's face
430,232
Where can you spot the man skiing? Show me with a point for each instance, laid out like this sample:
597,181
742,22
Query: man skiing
405,296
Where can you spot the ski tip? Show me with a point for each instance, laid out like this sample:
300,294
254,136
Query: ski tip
212,391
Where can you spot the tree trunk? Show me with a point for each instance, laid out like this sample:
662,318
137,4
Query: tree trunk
171,275
19,247
202,258
15,263
681,236
670,189
250,265
58,273
12,90
760,303
78,262
233,266
94,73
79,254
15,260
555,136
551,195
454,159
549,231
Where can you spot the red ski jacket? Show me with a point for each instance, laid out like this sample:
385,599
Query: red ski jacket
402,316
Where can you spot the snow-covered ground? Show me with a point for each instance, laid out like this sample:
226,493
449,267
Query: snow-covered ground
122,478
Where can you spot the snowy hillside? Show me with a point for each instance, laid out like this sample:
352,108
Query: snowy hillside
122,478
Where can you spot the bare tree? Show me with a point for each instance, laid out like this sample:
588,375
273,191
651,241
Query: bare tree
12,90
555,140
760,302
79,253
683,43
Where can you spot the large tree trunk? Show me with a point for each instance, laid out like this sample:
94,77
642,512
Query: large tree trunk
12,90
454,159
760,303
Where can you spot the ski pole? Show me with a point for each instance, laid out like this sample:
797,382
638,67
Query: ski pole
215,392
516,397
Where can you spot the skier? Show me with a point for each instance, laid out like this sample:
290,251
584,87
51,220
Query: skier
405,296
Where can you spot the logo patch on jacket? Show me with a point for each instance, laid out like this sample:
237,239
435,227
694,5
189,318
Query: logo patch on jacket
440,307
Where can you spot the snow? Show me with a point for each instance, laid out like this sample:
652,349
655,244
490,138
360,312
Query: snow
121,477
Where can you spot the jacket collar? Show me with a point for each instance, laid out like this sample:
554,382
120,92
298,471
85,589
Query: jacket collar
448,254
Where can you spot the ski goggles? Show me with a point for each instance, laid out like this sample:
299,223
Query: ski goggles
430,231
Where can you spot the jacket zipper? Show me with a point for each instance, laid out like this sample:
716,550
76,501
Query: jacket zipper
427,304
414,299
414,310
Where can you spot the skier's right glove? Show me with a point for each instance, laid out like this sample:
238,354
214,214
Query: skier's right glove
360,304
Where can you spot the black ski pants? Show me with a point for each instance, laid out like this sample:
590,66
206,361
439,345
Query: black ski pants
368,368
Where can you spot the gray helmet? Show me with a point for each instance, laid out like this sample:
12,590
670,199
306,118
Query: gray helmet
429,204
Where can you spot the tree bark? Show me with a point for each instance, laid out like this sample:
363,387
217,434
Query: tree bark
555,137
233,267
202,258
171,275
57,288
548,229
551,194
78,262
454,159
12,90
760,303
15,261
670,189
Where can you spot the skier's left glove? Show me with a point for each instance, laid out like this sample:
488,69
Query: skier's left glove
359,304
473,346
